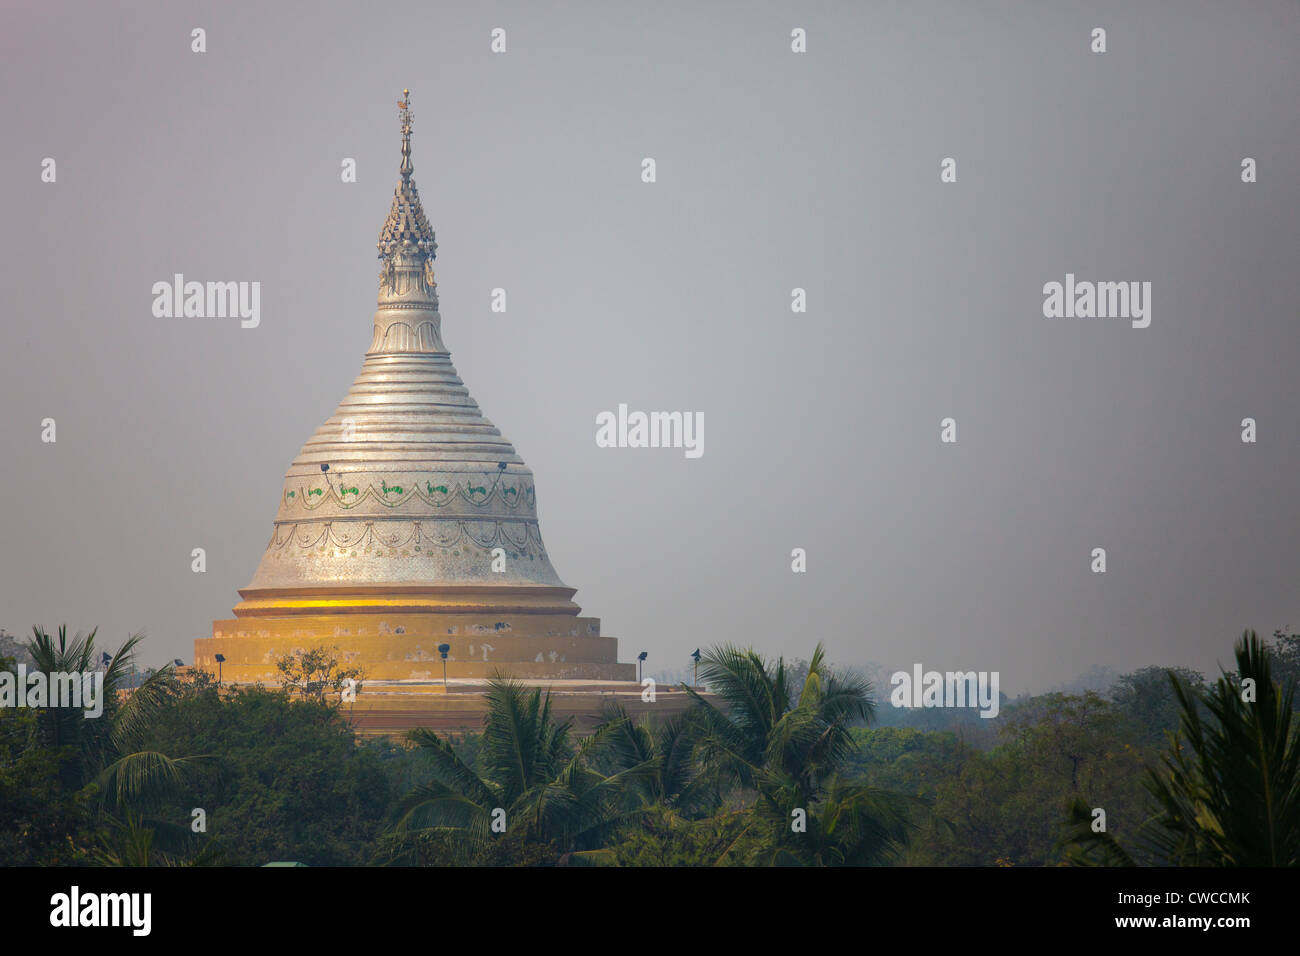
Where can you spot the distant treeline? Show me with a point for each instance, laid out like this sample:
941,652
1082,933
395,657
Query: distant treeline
803,764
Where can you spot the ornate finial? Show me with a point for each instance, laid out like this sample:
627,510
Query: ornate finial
404,104
407,239
407,118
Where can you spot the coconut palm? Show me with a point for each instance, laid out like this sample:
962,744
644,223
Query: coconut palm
848,824
107,748
760,727
533,781
106,753
130,842
1228,791
788,749
667,787
676,780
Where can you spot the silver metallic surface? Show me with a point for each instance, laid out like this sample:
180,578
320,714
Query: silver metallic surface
420,486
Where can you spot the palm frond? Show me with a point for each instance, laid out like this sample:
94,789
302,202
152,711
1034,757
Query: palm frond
435,806
146,775
451,771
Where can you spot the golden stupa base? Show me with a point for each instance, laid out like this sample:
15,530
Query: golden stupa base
393,707
394,635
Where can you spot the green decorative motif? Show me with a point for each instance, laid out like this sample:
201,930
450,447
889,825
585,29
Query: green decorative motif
395,496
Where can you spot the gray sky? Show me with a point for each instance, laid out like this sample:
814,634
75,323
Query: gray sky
775,170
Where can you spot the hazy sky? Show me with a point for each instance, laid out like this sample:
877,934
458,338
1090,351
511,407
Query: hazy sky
775,170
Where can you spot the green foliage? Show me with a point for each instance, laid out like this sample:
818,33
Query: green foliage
288,780
904,758
99,761
530,779
1146,701
133,841
776,769
45,823
1005,805
1284,655
788,745
665,838
673,778
761,727
1227,793
315,674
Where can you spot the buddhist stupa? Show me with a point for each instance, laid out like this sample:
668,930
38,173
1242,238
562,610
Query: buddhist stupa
408,520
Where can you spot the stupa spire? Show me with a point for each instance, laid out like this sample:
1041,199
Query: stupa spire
408,522
407,318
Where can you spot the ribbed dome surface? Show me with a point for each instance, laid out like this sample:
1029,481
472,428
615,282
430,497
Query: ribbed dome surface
407,408
420,489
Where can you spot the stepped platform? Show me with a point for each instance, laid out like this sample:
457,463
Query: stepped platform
394,707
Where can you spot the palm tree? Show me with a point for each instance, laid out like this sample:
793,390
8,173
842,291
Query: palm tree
789,750
107,748
107,751
1228,791
667,790
534,784
676,780
850,824
129,842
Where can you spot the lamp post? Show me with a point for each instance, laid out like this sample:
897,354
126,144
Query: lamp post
442,650
640,659
695,656
221,659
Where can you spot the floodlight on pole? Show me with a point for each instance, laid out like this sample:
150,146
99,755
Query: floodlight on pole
640,659
221,659
695,656
443,649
